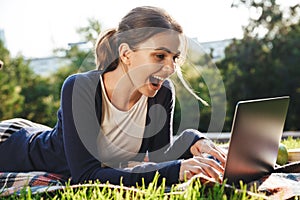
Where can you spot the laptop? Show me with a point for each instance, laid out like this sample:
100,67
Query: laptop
255,136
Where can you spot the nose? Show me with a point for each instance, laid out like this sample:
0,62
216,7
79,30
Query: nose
169,66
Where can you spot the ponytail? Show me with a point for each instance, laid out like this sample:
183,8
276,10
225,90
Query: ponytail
106,52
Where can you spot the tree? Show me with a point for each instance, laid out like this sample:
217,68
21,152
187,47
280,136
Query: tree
23,93
10,92
205,79
81,59
265,62
27,95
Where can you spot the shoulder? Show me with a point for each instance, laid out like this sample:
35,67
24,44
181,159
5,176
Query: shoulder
90,76
86,80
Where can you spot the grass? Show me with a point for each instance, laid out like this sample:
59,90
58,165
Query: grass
291,143
193,190
96,190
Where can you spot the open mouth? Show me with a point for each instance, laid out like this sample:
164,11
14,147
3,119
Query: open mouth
156,80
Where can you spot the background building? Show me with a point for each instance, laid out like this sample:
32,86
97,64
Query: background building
46,65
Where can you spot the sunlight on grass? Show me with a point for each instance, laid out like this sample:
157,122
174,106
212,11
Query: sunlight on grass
291,143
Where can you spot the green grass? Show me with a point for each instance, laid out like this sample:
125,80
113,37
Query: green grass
193,190
96,190
291,143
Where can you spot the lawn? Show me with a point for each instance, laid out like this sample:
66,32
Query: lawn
292,143
193,190
105,191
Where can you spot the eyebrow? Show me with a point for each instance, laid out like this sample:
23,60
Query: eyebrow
167,50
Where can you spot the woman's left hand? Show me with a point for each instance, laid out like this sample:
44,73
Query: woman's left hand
207,146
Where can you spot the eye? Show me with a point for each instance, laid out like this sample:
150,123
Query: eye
160,56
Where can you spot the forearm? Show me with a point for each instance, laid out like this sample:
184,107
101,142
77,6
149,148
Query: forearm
140,174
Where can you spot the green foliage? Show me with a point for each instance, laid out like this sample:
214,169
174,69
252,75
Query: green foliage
206,81
91,31
10,97
265,65
28,95
82,59
23,93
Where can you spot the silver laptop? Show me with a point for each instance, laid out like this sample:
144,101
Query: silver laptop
255,136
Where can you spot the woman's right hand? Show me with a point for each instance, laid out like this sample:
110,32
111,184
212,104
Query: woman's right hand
200,165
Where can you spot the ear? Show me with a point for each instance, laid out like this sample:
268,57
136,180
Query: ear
124,53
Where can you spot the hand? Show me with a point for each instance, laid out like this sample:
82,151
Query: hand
207,146
200,165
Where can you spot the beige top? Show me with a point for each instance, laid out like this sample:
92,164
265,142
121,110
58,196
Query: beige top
121,131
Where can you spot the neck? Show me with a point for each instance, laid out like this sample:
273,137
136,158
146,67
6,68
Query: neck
120,89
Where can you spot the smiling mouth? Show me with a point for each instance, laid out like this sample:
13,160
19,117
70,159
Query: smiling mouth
156,80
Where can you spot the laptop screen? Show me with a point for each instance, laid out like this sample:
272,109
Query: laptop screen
255,136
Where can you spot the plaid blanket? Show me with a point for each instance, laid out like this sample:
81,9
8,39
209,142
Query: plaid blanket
39,182
281,185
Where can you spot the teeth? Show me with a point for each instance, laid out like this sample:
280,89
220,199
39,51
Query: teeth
159,78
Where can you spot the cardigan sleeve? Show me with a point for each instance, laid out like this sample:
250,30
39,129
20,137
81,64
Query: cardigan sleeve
81,127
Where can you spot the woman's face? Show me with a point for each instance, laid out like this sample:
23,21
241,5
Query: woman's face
153,61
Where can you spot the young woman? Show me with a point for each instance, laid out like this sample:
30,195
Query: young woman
115,123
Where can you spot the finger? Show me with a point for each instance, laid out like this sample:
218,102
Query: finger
222,155
203,166
195,150
211,172
197,169
187,175
215,151
206,170
216,154
221,150
200,147
212,163
204,146
186,169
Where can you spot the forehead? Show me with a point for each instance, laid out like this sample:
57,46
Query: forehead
170,40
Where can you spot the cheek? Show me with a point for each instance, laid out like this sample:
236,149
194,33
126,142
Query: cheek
142,71
141,68
141,61
139,75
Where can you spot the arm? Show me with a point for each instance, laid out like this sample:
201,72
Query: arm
81,127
